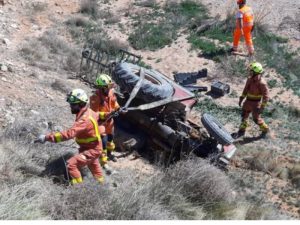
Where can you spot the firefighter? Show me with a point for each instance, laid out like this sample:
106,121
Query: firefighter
105,103
257,95
244,27
86,134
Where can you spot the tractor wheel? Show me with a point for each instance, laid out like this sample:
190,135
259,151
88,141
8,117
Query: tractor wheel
154,87
216,129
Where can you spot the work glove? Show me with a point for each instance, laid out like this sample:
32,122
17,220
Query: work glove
114,114
241,101
41,139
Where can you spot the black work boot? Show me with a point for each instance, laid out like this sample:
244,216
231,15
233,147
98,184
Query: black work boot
264,134
238,134
111,157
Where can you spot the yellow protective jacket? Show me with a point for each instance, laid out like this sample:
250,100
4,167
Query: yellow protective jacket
256,89
84,130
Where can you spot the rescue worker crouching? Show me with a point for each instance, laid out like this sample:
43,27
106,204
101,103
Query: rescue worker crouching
257,95
86,134
244,27
105,103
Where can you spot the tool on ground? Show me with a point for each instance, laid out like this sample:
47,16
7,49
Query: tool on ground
219,88
189,78
195,88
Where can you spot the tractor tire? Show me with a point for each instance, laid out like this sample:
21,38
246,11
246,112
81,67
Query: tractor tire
154,87
216,129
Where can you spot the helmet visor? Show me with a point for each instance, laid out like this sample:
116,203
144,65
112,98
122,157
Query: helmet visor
72,99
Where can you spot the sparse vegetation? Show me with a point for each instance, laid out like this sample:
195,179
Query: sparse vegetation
152,36
270,48
272,83
208,48
289,117
191,189
34,186
147,3
273,51
224,114
233,67
89,7
39,6
158,29
44,52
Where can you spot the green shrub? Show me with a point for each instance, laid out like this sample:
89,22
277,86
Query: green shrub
152,36
272,83
274,53
147,3
188,9
289,117
224,114
208,48
89,7
156,29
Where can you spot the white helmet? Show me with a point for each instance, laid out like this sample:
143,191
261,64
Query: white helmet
77,96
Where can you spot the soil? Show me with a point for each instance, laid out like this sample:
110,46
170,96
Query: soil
22,84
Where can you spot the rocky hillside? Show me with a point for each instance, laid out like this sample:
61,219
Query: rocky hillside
41,42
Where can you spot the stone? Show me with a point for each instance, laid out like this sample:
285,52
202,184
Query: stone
284,174
14,25
295,170
4,79
6,41
4,68
296,181
34,112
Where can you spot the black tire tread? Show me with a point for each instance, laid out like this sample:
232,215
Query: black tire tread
216,129
125,77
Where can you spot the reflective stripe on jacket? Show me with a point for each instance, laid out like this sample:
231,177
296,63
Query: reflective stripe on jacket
246,14
104,104
84,130
256,89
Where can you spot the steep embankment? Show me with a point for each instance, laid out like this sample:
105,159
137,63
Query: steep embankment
40,53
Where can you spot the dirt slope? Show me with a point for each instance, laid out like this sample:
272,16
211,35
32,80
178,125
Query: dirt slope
26,88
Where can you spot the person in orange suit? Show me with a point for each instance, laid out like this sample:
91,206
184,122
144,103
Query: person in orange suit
86,134
105,103
244,27
256,93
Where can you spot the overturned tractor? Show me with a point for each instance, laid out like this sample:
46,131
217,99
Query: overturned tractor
157,122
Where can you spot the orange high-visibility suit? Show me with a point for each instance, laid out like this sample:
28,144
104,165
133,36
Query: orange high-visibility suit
105,105
86,134
244,26
257,95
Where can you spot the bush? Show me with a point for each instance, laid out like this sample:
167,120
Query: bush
208,48
157,29
147,3
190,189
152,36
233,67
223,114
89,7
23,201
178,193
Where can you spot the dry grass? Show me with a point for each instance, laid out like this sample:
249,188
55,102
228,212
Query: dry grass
147,3
89,7
181,192
51,52
23,201
190,189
